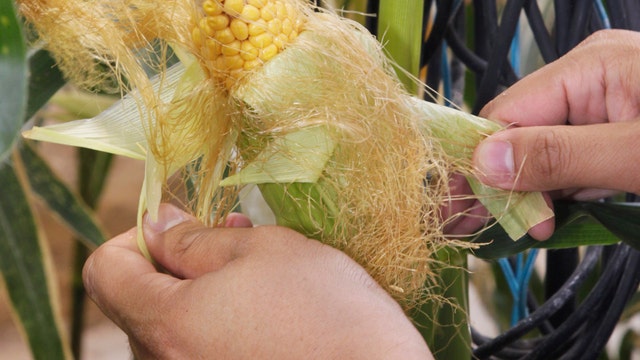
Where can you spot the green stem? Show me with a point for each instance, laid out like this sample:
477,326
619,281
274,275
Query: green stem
401,30
444,324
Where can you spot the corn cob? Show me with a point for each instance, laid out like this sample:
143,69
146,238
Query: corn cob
236,36
311,107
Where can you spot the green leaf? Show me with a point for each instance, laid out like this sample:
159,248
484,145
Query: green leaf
577,224
64,203
401,29
45,79
622,219
13,77
25,275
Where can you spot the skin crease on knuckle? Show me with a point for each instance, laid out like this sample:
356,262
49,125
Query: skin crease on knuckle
549,159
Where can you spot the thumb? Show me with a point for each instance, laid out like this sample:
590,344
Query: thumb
188,249
545,158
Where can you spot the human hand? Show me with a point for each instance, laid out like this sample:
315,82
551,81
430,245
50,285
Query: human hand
262,292
595,84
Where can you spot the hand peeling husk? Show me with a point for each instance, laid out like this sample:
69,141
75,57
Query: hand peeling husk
362,185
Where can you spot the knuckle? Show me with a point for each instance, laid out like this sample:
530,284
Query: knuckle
550,157
187,243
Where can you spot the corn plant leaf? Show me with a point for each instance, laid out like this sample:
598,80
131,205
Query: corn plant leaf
13,77
22,263
62,201
577,224
45,79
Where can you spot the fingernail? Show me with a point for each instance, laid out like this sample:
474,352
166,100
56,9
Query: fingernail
169,216
494,161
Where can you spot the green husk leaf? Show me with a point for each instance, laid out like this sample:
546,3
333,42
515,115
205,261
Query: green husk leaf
308,208
459,133
299,156
118,130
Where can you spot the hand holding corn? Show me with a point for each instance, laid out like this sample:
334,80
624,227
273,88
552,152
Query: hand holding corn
265,293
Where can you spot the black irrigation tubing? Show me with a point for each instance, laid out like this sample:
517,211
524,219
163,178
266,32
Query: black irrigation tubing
545,310
544,327
560,264
445,10
499,51
562,23
581,13
486,26
624,14
540,32
589,309
474,62
458,68
371,22
626,288
434,74
506,353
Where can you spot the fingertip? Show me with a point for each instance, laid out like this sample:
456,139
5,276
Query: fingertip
493,160
543,230
168,217
238,220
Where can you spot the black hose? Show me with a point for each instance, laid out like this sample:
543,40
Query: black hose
552,305
498,56
540,32
587,310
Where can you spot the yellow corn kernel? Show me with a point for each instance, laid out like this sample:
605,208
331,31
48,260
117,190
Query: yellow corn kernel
257,3
196,36
212,8
231,49
280,41
269,52
287,26
240,35
250,13
248,51
225,36
261,41
233,62
281,11
206,29
213,48
218,22
252,64
275,26
233,7
257,27
268,12
239,29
